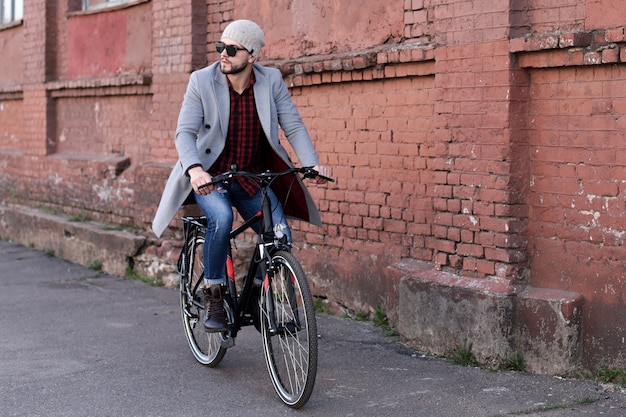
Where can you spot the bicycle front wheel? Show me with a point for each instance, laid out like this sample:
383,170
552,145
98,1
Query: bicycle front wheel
207,348
289,330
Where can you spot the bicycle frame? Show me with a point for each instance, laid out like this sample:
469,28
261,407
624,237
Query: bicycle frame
243,304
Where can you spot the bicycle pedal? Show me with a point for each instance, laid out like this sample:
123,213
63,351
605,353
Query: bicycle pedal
228,342
189,314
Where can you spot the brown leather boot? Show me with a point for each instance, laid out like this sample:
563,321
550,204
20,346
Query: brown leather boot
214,318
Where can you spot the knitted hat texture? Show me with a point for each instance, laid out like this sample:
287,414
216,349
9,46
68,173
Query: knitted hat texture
247,33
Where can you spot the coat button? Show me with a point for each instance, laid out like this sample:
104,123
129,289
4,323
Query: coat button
207,126
207,151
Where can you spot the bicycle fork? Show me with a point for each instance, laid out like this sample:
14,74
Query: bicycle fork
286,298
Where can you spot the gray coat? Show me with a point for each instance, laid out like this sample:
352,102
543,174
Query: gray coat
201,136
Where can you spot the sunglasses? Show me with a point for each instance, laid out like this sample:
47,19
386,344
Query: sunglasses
231,50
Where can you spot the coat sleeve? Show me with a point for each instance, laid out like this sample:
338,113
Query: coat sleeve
189,124
291,123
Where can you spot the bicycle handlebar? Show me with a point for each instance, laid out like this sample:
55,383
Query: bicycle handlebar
307,172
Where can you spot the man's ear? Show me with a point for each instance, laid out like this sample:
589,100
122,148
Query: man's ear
252,59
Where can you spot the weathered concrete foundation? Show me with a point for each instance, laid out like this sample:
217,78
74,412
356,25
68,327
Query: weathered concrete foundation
436,312
82,242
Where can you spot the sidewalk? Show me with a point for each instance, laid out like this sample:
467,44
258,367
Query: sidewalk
78,343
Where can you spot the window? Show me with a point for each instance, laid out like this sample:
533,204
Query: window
102,4
11,11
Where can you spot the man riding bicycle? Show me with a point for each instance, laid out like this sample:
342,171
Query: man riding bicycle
230,116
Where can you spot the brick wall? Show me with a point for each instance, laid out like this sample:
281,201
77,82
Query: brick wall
376,138
11,121
472,191
481,138
577,179
575,127
11,43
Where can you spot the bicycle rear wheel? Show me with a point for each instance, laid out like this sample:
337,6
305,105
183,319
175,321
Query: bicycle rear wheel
290,338
207,348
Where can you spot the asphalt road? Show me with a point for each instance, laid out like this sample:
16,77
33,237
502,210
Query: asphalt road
77,343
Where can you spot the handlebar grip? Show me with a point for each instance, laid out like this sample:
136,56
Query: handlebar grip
216,179
220,178
309,172
312,173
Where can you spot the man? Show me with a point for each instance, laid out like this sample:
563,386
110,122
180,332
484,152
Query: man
230,115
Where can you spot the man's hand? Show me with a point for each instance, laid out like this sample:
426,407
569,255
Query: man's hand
198,177
322,170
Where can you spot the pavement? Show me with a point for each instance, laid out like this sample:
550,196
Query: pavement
76,342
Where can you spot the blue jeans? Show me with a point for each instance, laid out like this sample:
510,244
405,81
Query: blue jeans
217,207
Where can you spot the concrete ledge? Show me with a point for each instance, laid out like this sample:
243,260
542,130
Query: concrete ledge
436,311
79,242
549,329
87,242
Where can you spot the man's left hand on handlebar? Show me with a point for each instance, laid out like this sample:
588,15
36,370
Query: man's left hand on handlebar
199,178
324,171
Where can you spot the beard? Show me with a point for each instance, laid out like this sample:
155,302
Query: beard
234,69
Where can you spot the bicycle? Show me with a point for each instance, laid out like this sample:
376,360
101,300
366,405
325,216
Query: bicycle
281,308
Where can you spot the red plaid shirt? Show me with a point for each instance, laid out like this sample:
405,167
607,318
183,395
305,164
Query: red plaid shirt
246,145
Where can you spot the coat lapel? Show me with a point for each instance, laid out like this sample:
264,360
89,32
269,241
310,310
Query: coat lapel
262,100
220,86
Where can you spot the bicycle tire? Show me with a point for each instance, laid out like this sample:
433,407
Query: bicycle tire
290,349
207,348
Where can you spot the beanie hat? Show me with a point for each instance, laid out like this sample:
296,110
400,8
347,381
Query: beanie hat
247,33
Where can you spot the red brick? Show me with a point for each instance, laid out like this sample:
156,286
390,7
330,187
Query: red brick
485,267
475,251
610,55
469,264
441,259
441,245
454,234
615,35
591,58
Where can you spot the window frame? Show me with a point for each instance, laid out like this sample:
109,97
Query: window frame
76,7
15,6
103,4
